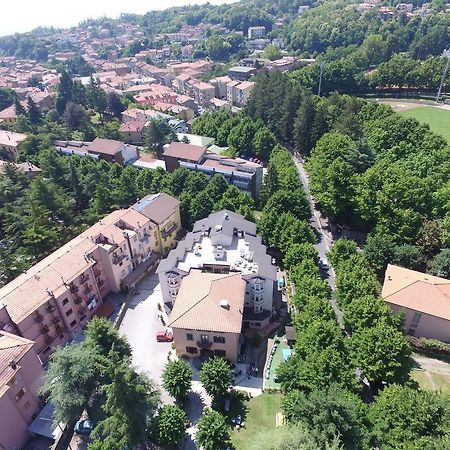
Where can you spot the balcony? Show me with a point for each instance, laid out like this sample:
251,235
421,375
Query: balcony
50,308
55,319
168,230
77,300
59,328
38,317
203,344
144,237
44,329
48,339
117,259
258,288
97,272
83,278
87,288
73,288
100,282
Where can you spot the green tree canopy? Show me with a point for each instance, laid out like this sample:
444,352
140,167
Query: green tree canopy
177,377
213,432
216,377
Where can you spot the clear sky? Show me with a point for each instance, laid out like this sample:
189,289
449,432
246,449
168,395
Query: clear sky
24,15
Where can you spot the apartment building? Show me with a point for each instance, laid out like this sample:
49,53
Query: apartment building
256,32
218,281
242,73
9,144
164,211
220,85
20,379
65,289
242,93
245,175
203,93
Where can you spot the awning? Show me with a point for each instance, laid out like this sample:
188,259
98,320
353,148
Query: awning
43,424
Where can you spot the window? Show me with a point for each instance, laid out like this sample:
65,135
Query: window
222,353
20,394
219,339
69,312
204,338
416,318
73,323
82,318
122,274
189,337
65,301
191,350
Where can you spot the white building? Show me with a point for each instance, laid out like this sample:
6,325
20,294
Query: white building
256,32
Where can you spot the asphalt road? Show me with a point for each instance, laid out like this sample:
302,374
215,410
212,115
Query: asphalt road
324,237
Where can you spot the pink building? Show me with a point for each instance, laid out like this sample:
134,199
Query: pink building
20,379
51,302
423,298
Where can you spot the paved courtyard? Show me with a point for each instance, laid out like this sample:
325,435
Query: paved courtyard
140,325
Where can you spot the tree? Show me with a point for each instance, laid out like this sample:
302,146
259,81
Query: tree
382,354
272,52
341,251
6,98
20,110
177,377
96,97
216,377
72,375
264,142
401,415
115,105
329,413
213,432
408,256
103,336
34,112
75,116
131,402
158,133
64,92
440,266
365,312
170,425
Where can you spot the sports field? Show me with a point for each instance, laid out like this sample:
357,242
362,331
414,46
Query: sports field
437,118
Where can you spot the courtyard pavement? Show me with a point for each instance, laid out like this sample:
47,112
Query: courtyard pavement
140,325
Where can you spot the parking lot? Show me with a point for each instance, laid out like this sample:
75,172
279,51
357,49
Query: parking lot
140,325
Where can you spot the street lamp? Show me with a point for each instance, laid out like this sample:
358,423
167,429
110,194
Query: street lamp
445,53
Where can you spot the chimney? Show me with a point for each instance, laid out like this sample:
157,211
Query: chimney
224,304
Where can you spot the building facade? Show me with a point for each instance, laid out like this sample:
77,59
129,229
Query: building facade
21,375
422,298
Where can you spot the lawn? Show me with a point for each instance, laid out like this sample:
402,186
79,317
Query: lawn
259,416
437,118
441,382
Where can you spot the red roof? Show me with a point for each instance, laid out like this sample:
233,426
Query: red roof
185,151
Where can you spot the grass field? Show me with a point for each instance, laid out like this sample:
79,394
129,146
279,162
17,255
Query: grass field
259,417
437,118
432,381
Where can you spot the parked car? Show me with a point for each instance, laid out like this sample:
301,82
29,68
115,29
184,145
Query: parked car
323,263
164,336
84,427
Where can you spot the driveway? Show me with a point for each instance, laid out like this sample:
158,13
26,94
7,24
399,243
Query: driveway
140,325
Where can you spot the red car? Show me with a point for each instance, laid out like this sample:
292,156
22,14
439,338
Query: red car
164,336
